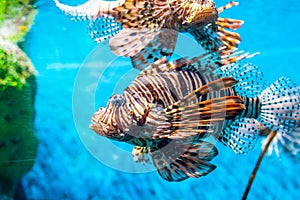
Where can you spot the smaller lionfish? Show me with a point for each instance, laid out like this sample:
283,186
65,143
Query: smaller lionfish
171,109
147,30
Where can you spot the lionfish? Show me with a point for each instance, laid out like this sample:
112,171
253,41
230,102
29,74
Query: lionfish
147,30
171,110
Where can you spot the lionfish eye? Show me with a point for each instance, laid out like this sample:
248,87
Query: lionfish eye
117,102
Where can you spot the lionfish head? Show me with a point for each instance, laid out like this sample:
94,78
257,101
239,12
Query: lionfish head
201,13
104,122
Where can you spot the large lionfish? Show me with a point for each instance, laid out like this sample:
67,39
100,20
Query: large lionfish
147,30
171,108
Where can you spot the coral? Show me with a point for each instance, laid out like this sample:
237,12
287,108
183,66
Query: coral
16,18
18,143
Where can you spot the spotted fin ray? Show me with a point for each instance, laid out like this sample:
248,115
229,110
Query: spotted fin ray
86,11
104,27
280,106
250,78
241,135
179,161
89,10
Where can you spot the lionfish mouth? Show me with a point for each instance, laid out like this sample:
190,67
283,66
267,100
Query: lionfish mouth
96,125
102,124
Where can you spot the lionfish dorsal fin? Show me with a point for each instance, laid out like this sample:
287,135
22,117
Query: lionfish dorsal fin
241,135
206,63
178,161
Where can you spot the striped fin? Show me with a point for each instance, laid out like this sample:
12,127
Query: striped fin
161,46
241,135
280,106
188,117
219,84
129,42
200,118
103,28
229,39
250,78
179,161
214,36
150,14
206,63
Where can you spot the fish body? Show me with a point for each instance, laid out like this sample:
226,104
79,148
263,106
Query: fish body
179,105
142,116
147,30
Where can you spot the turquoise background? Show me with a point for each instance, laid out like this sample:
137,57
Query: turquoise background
65,169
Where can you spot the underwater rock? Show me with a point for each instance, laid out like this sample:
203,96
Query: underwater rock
18,142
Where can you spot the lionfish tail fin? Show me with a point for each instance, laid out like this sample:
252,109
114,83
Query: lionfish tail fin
103,24
179,161
241,135
280,106
86,11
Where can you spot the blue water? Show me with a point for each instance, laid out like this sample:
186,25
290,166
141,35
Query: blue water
74,163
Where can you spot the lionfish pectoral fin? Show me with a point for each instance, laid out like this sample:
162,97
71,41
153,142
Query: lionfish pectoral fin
280,106
142,155
130,42
161,46
250,79
104,27
179,161
201,118
241,135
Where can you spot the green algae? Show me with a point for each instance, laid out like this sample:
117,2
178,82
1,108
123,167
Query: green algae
18,142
